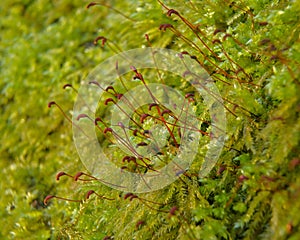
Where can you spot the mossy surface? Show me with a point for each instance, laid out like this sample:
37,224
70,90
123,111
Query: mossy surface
252,51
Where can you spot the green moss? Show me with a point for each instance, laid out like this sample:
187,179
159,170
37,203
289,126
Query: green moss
253,191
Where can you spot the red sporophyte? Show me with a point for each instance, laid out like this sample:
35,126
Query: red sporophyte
98,120
172,11
62,174
172,211
227,35
108,130
119,96
186,73
82,115
147,132
139,223
166,111
48,198
133,68
137,75
67,86
218,31
104,39
152,105
135,132
193,57
59,175
141,144
133,159
123,167
189,95
91,4
185,53
216,41
132,197
126,158
242,178
95,82
147,39
78,175
143,117
51,103
263,23
129,159
121,125
127,195
108,101
90,192
165,26
110,88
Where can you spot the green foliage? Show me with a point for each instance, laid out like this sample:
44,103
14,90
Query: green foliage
41,49
250,48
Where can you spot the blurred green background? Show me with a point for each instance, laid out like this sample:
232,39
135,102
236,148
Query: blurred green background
43,45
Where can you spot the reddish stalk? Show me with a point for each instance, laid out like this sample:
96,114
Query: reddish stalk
90,192
194,30
50,104
60,198
110,7
132,196
140,77
79,174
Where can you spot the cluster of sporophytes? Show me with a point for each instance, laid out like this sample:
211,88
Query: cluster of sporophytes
251,51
